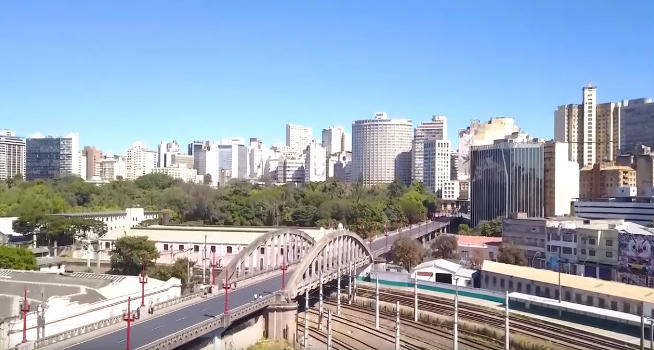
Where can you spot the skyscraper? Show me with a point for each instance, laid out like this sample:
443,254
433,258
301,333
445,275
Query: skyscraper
140,161
436,164
506,178
436,129
591,130
381,150
233,158
298,136
315,163
165,152
561,179
93,156
636,124
52,157
12,155
335,139
478,134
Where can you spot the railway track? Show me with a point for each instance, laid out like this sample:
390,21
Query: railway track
555,334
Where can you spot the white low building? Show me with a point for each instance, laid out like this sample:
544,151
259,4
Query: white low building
443,271
117,220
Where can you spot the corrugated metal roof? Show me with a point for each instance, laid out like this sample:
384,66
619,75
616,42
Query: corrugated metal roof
621,290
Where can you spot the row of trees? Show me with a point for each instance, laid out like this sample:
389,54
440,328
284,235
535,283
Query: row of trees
491,228
364,210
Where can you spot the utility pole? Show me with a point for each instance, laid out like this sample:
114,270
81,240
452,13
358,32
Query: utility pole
284,272
415,299
143,279
329,330
349,285
456,315
377,301
213,267
129,318
226,287
506,318
25,309
306,318
397,325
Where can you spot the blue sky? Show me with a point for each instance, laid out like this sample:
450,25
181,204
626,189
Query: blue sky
118,71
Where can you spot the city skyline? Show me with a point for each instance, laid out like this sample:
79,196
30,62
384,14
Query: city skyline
202,79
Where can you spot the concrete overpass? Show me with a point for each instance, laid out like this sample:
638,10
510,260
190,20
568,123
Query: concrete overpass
278,266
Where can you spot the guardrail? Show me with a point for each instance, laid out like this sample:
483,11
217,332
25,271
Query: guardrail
184,336
55,338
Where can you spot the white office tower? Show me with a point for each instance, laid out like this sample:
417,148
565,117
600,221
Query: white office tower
82,167
165,152
436,129
335,139
315,163
12,155
437,164
561,179
233,159
258,156
76,154
381,150
298,137
207,163
290,170
479,134
140,160
454,166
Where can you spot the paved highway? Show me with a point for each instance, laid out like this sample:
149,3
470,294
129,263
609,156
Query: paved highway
143,333
379,244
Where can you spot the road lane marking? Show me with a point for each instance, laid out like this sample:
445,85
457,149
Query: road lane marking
179,319
157,327
123,340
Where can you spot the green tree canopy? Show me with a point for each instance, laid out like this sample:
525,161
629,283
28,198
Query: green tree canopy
130,252
445,247
16,258
510,254
407,252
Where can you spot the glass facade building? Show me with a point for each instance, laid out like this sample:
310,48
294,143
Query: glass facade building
506,178
50,158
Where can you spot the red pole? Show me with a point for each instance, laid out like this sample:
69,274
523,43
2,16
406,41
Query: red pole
213,265
143,279
129,318
283,274
26,309
226,286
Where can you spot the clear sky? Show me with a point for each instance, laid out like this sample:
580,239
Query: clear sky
121,71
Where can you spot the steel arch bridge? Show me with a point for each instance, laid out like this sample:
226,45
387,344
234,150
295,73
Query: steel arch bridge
266,253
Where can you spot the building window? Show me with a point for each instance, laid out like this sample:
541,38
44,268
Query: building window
165,246
181,247
528,287
614,305
196,248
601,302
510,285
609,254
567,250
547,292
591,241
609,243
589,300
107,245
578,298
494,281
591,252
520,287
626,307
213,248
486,280
502,283
583,251
567,295
262,250
538,290
229,249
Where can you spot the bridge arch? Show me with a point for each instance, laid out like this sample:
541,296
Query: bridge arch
266,252
333,255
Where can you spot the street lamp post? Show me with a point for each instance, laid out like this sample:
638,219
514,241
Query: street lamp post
213,266
143,279
226,287
284,268
386,233
129,318
25,309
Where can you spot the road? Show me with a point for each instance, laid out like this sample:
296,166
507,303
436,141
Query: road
143,333
379,243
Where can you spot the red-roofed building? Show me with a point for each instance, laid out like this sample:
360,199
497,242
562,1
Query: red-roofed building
475,249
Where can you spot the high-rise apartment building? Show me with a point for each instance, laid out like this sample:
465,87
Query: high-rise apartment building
165,153
478,134
290,170
52,157
258,156
206,163
335,139
436,129
12,155
561,179
591,130
183,159
381,150
454,166
436,164
139,161
636,124
315,162
506,178
92,157
298,136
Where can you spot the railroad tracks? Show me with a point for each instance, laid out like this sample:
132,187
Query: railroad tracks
556,335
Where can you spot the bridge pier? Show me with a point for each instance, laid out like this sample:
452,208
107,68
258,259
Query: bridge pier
280,320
